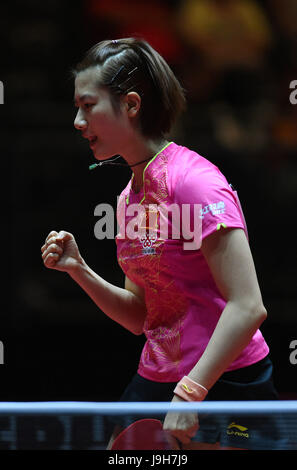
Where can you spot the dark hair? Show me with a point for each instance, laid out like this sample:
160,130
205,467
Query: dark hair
131,64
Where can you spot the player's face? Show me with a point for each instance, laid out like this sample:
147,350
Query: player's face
106,129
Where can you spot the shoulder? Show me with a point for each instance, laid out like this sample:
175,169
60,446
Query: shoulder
189,171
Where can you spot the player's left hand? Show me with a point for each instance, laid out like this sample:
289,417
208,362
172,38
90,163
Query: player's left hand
183,426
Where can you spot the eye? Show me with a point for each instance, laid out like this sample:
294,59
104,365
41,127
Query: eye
88,105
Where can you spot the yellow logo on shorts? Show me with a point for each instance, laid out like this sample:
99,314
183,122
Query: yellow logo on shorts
241,430
233,425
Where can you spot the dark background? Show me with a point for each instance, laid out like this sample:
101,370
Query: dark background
236,71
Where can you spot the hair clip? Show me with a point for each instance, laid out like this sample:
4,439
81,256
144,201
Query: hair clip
131,71
116,74
129,77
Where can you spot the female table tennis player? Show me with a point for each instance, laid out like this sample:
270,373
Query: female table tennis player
200,308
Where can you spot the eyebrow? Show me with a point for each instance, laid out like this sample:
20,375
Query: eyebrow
83,97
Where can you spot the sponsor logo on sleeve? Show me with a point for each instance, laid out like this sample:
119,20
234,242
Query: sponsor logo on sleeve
215,208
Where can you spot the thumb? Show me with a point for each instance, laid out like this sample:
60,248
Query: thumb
64,236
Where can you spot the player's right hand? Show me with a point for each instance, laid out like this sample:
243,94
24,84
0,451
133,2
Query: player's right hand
60,251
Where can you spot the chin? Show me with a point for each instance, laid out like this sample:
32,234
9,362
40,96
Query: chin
101,156
104,156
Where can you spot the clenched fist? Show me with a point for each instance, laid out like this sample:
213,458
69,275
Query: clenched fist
60,251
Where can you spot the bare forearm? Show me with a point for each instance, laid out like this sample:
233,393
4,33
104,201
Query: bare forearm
233,332
117,303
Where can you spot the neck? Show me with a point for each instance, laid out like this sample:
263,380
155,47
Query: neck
142,150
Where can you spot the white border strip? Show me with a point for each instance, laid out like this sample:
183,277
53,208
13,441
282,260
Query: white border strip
111,408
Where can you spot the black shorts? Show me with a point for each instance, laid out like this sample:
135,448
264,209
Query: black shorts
253,382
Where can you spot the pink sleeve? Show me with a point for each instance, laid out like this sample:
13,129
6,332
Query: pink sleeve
220,205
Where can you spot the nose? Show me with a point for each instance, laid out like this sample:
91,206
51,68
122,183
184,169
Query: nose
79,122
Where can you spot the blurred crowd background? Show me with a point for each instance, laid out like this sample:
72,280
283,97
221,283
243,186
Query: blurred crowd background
236,60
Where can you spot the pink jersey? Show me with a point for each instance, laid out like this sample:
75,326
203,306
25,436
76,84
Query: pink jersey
182,299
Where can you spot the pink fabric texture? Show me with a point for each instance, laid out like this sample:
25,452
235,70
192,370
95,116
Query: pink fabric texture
182,299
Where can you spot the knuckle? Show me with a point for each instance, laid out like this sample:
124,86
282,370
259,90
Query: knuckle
52,242
51,234
48,242
55,247
47,261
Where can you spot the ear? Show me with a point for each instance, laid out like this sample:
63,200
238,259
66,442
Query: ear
132,103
